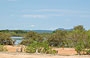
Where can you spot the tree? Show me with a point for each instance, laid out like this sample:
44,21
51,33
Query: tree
5,39
77,34
79,38
30,37
88,39
57,38
79,27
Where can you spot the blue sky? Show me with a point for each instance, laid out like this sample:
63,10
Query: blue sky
44,14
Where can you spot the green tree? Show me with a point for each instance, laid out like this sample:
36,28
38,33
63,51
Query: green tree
5,39
57,38
88,39
79,27
77,35
30,37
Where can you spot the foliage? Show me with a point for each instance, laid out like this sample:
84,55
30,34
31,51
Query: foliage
77,38
88,39
14,32
79,47
37,47
57,38
30,37
5,39
79,27
2,48
88,52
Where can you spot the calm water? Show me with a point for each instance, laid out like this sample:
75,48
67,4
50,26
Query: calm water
17,40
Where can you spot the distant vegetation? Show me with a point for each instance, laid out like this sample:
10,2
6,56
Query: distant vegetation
77,38
14,32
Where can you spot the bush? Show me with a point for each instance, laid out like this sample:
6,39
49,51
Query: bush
42,47
79,48
30,49
50,51
88,52
2,48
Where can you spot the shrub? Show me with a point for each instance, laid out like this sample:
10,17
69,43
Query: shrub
42,47
30,49
79,48
2,48
88,52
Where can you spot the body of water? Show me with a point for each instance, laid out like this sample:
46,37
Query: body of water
17,40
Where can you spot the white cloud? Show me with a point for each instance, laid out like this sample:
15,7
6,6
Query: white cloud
40,15
63,11
32,25
56,10
44,16
33,16
56,13
11,0
59,11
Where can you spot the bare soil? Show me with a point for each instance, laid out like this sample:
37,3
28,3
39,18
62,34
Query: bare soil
62,53
24,55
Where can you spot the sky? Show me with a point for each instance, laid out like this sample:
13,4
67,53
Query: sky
44,14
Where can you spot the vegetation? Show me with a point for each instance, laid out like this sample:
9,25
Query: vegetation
88,52
77,38
37,47
14,32
2,48
30,37
5,39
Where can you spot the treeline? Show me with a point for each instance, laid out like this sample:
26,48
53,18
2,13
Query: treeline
14,32
77,38
59,38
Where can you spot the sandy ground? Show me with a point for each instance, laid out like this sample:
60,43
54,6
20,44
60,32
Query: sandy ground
12,53
66,51
15,48
24,55
61,51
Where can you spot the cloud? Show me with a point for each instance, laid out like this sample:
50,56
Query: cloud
45,13
59,12
56,10
58,15
63,11
32,25
11,0
40,15
33,16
